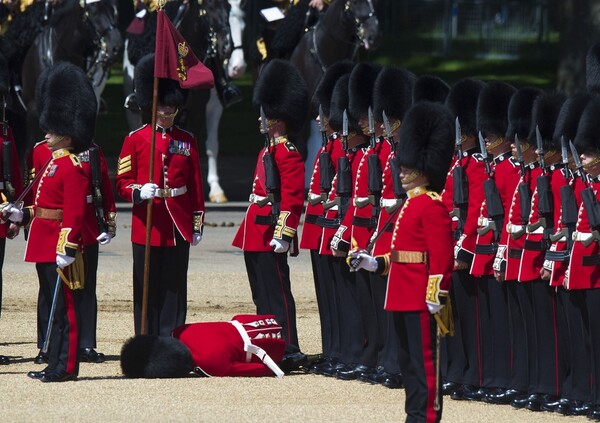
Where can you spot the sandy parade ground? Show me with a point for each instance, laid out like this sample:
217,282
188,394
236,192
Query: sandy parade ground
217,290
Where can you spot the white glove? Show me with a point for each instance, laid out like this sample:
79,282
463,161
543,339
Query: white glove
148,191
196,238
435,308
104,238
13,213
362,260
279,245
62,260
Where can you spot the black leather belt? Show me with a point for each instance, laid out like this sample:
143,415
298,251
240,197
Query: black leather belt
486,249
266,220
534,245
590,260
311,218
515,253
364,222
325,222
557,255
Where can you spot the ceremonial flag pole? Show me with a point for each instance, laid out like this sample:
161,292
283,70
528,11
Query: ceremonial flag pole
175,60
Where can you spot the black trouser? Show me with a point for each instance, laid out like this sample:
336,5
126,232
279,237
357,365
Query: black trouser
269,277
518,331
416,332
351,326
592,299
167,287
328,308
63,347
2,249
321,296
495,339
368,315
388,355
87,303
576,385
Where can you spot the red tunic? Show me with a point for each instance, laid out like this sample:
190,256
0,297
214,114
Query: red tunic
16,177
423,226
176,166
63,186
218,348
252,236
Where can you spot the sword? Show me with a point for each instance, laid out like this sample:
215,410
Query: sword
578,164
519,155
322,127
51,316
484,154
540,148
565,157
371,128
263,127
458,140
388,131
345,131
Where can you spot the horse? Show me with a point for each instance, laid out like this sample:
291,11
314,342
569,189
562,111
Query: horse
342,29
206,27
82,33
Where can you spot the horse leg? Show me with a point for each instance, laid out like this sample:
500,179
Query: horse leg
134,118
214,111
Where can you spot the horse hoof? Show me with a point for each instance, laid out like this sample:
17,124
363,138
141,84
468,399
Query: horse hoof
218,198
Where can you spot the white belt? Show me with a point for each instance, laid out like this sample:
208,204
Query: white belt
514,229
257,351
170,192
538,231
361,201
254,198
311,196
389,202
582,236
89,199
483,221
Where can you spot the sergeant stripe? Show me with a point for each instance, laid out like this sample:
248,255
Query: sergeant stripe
124,165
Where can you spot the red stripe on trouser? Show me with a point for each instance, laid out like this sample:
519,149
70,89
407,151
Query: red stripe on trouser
428,364
287,312
73,330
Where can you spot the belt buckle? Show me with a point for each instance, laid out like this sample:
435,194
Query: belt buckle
163,192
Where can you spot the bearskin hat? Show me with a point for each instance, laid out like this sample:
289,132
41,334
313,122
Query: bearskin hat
169,91
392,93
430,88
339,103
462,102
67,104
492,108
587,139
360,88
4,75
322,95
426,137
146,356
282,93
592,69
519,112
568,118
543,116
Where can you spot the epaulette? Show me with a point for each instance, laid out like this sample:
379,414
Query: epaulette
478,157
139,129
75,160
434,195
183,130
290,146
514,161
40,143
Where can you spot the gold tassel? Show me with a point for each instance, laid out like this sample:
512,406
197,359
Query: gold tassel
74,274
444,319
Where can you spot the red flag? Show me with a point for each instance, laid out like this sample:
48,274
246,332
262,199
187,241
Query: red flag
175,59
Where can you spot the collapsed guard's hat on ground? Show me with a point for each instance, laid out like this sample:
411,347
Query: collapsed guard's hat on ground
462,102
569,116
492,108
67,104
392,93
282,93
322,96
426,142
430,88
520,108
169,91
543,115
339,103
146,356
587,138
592,69
360,88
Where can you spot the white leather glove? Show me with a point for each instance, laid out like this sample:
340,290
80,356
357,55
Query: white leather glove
104,238
62,260
435,308
148,190
279,245
13,213
362,260
196,238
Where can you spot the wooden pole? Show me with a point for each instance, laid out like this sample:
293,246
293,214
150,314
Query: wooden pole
144,323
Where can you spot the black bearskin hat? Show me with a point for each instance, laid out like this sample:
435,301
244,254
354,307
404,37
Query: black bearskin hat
282,93
360,88
587,139
430,88
339,103
492,108
169,91
322,95
462,102
67,104
519,112
146,356
543,116
392,93
4,75
568,118
592,69
426,137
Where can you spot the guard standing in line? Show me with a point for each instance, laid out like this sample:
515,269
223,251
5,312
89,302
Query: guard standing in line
67,106
420,263
269,229
324,170
492,122
463,194
177,203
